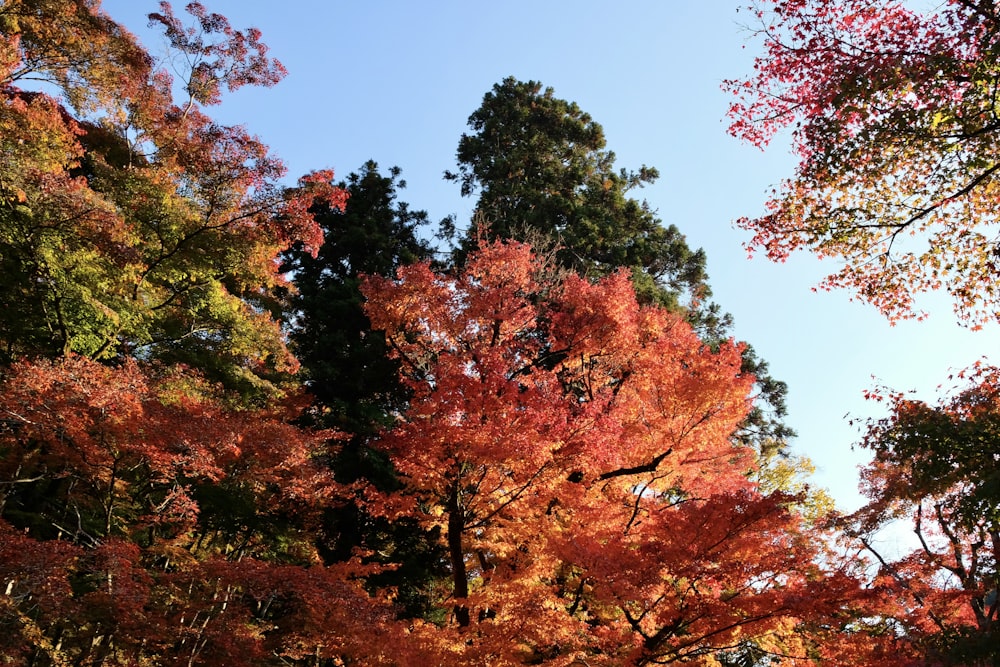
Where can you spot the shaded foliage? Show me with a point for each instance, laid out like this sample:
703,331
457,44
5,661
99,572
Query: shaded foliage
350,374
345,363
935,467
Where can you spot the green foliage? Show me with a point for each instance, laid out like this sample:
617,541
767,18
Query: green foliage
946,450
344,363
779,473
541,170
132,224
347,369
963,647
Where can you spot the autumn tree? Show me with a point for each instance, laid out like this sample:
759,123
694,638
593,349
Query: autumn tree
574,449
114,551
159,501
935,467
892,114
131,222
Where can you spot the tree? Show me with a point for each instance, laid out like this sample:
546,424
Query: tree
574,450
345,363
348,371
117,547
892,114
543,176
539,166
935,466
159,504
131,223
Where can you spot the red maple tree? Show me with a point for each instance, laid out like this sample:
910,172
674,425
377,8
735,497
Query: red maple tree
145,521
575,451
892,114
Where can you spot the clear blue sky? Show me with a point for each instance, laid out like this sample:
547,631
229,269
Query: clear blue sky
395,81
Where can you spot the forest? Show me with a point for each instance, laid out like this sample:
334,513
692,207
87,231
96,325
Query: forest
259,422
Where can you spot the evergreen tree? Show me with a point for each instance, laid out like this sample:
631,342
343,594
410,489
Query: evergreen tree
344,363
542,173
541,169
348,369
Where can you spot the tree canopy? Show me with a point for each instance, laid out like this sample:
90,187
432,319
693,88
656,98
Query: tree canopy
541,170
543,175
251,423
892,113
134,224
935,467
559,435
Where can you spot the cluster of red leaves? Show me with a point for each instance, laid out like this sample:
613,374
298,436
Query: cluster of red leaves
574,448
892,115
132,447
238,59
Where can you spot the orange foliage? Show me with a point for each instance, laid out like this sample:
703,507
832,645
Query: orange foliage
575,451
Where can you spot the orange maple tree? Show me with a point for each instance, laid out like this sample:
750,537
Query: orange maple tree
157,503
574,450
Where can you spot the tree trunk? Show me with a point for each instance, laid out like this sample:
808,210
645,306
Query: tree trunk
456,524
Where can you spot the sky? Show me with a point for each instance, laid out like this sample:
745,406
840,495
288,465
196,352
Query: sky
395,81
